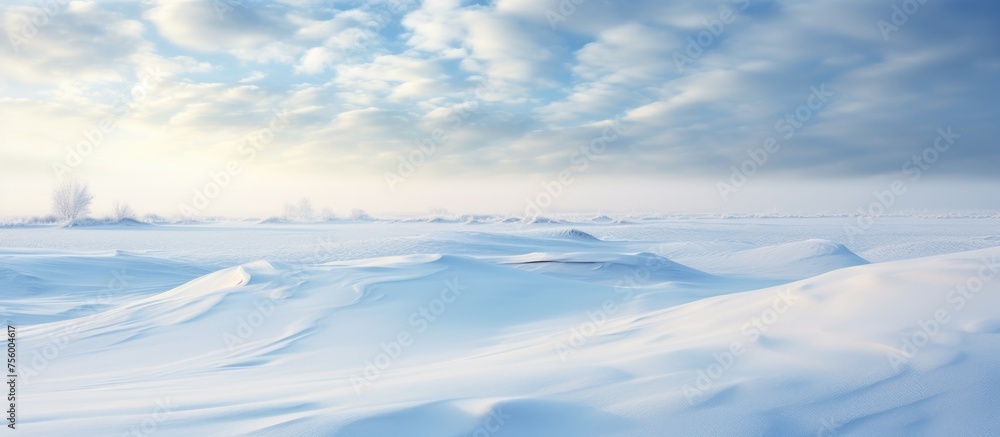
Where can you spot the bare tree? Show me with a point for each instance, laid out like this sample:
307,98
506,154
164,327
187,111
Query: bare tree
359,214
121,211
71,200
306,211
301,211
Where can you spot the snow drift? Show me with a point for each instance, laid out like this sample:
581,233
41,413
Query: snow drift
572,339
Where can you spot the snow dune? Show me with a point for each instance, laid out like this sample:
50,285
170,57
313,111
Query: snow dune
540,333
606,267
43,286
786,261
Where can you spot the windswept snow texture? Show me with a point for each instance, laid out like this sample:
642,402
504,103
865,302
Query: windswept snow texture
604,327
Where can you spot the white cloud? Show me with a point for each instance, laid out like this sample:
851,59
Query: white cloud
613,72
80,42
248,33
508,49
253,77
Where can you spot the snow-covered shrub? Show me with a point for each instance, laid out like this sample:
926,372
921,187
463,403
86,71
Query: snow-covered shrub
71,200
121,211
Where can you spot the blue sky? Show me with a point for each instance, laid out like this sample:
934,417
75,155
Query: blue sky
482,106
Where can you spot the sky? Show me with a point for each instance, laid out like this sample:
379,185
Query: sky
224,107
